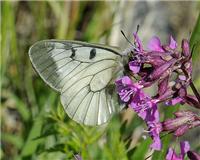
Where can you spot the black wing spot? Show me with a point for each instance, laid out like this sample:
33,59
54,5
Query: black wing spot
73,53
92,53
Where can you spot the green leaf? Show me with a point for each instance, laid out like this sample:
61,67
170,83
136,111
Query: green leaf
131,152
195,40
22,108
123,126
169,110
46,134
9,48
99,21
31,145
58,147
41,21
141,150
13,139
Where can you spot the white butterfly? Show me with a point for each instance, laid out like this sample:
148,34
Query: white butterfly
84,75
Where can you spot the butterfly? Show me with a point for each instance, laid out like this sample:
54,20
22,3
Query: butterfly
83,74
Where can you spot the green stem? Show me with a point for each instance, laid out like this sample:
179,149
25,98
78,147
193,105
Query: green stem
195,91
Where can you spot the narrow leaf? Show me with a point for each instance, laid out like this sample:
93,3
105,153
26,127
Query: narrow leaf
195,40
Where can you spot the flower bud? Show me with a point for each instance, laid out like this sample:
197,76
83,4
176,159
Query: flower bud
163,85
193,155
181,130
192,101
172,155
155,61
196,123
183,113
185,48
182,92
166,95
182,123
175,123
157,73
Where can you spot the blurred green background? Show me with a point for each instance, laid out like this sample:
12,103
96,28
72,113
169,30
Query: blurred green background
33,123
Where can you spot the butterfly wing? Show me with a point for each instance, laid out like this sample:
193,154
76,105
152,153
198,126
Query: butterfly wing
84,74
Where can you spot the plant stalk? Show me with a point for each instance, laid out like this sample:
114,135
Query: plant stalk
195,91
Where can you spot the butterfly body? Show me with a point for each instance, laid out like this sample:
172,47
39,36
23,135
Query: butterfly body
83,73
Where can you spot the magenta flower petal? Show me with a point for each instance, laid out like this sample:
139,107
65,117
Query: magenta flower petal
138,42
154,130
193,155
163,85
125,88
144,107
171,154
182,77
184,114
134,66
184,120
155,44
156,145
126,80
181,130
185,147
155,60
174,101
172,43
185,48
159,71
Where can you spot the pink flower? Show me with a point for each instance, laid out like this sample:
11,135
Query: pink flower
134,66
184,121
155,129
126,89
138,43
172,69
185,48
172,43
143,105
155,44
171,154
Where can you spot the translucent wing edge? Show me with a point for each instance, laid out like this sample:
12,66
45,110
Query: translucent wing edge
34,66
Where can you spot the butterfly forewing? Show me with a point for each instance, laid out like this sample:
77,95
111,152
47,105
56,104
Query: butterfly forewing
83,73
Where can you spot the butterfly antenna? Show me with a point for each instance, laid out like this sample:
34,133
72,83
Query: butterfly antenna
127,38
138,27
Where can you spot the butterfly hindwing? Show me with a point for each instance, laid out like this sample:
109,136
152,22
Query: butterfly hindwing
83,74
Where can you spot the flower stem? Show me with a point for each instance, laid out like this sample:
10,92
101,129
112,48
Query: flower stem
195,91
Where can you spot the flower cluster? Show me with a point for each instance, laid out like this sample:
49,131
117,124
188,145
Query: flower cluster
185,149
171,154
183,121
169,69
